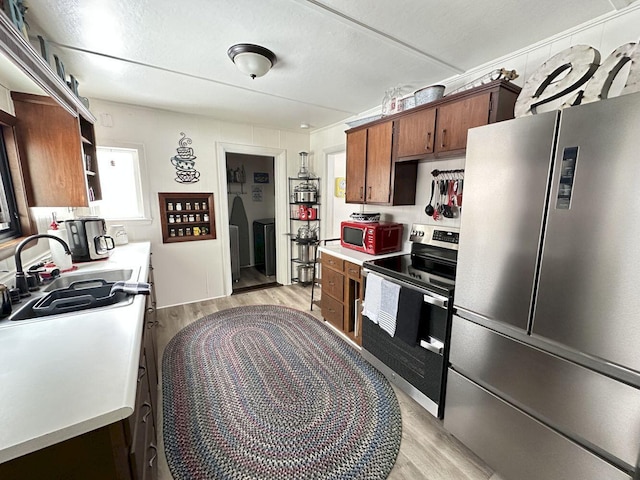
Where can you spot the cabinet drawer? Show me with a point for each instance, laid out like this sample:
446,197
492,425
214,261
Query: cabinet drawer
332,311
332,284
150,466
332,262
352,270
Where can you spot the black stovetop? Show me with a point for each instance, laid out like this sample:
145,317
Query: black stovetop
427,267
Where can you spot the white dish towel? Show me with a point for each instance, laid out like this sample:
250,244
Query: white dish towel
372,295
389,307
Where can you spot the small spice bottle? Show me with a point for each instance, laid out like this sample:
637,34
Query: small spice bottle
170,206
178,206
172,219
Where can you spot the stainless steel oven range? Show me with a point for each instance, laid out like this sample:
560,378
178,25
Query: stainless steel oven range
417,365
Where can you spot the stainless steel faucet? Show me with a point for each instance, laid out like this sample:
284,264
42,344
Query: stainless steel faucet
21,279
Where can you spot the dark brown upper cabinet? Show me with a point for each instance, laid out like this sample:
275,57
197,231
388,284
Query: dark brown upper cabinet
55,150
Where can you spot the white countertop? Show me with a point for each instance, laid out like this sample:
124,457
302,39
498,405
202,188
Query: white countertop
354,256
65,375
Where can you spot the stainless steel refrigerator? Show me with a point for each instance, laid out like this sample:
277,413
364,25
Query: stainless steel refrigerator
544,379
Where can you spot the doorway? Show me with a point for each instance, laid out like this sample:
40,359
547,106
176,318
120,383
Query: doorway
252,225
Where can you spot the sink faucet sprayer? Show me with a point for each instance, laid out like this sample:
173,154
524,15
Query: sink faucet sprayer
21,279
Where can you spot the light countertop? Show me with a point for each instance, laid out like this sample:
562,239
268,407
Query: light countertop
354,256
65,375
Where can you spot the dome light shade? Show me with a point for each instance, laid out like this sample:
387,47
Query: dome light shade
252,60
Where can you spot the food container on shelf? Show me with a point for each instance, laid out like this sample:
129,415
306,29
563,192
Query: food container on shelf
308,234
306,252
305,273
305,193
408,102
429,94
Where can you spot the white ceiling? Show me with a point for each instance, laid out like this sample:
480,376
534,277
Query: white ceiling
335,57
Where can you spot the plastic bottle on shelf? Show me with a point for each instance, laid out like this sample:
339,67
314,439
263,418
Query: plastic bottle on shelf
395,101
58,255
386,103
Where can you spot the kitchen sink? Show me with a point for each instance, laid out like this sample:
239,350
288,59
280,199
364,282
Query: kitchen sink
74,293
107,275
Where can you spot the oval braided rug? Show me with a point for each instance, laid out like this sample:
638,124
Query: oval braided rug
267,392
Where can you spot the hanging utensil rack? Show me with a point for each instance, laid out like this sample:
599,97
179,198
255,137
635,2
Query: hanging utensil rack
456,174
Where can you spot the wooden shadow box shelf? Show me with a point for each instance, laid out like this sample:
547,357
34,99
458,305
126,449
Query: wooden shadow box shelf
187,217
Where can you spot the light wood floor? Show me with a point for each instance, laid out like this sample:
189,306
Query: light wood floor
427,451
252,277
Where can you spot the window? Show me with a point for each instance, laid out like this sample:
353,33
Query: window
9,218
121,183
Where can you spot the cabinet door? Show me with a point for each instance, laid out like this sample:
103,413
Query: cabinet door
415,133
378,177
51,150
456,118
356,166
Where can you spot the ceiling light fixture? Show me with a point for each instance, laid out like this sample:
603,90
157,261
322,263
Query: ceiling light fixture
253,60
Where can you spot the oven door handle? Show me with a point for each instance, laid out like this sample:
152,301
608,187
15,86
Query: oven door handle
428,297
433,345
436,301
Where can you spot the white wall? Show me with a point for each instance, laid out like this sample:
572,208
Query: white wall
189,271
605,34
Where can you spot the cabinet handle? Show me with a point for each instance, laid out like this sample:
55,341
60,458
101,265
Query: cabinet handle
444,133
142,370
361,193
155,454
428,145
146,415
369,193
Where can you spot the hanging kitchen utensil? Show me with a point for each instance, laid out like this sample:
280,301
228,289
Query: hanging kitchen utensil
447,210
429,208
443,192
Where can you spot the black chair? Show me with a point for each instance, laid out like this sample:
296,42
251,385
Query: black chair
315,260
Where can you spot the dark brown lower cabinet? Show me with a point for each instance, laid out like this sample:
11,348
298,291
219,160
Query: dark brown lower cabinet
125,450
342,295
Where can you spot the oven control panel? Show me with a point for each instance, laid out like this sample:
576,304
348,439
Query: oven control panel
434,235
446,236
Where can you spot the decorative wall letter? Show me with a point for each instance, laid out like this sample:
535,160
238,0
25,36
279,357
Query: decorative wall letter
581,61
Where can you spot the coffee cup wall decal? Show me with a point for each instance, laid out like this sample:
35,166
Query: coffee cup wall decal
184,162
